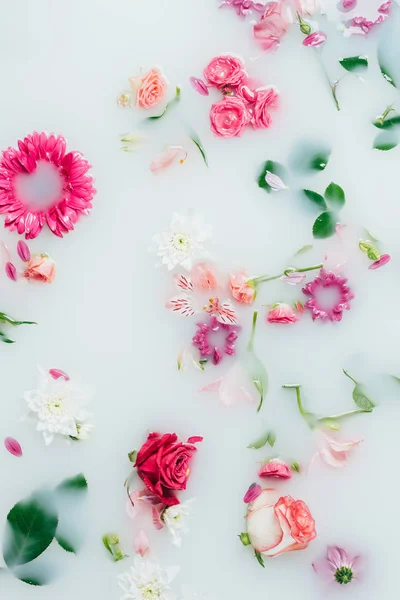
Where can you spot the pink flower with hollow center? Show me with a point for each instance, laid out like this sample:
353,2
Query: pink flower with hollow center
338,566
275,468
149,89
225,71
242,292
282,313
276,525
272,26
13,447
229,117
40,268
252,493
332,452
203,342
189,302
328,281
384,259
315,39
265,99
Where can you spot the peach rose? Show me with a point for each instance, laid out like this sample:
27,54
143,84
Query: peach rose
41,268
229,117
279,524
149,89
243,292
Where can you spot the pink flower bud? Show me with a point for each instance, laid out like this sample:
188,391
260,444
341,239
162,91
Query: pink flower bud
315,39
11,271
141,544
199,86
23,251
275,468
57,373
384,259
13,447
252,493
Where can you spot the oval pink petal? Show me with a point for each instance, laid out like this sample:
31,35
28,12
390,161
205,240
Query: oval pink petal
252,493
164,159
384,259
199,86
23,251
11,271
57,373
315,39
13,447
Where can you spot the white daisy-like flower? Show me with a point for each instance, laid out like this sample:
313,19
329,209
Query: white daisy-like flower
147,581
59,405
174,518
182,244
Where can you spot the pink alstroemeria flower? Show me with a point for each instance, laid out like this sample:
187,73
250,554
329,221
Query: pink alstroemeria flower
282,313
272,26
315,39
338,566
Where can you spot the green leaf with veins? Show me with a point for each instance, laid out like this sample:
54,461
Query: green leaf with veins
354,63
334,195
315,198
325,225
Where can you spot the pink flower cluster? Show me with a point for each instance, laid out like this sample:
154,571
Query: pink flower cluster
365,25
202,340
242,105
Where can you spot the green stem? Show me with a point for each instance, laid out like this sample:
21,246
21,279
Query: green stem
6,319
333,85
262,278
304,269
296,386
349,376
341,415
256,280
250,345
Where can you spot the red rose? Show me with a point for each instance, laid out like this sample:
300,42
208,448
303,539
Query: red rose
163,464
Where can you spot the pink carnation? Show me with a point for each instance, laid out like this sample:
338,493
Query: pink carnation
225,70
229,117
275,468
282,313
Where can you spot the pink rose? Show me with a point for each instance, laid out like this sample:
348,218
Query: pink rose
275,468
150,89
282,313
272,27
41,268
242,291
264,100
279,524
225,70
229,117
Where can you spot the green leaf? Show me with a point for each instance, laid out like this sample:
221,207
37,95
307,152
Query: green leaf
73,484
260,559
132,456
305,248
334,195
196,140
6,319
33,575
393,121
296,467
168,106
267,438
330,423
361,399
309,156
354,63
65,544
316,198
386,140
325,225
273,167
244,538
31,527
385,73
318,162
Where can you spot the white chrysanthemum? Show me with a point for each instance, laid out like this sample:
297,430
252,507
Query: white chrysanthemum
174,518
182,244
147,581
59,407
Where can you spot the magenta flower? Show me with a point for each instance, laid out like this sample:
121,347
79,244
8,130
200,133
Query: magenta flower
338,566
252,493
328,281
74,199
202,340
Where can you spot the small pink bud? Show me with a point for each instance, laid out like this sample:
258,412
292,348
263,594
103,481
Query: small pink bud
141,544
315,39
11,271
384,259
23,251
13,447
57,373
199,86
252,493
275,468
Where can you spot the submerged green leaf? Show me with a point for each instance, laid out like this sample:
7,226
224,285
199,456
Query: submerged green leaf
305,248
309,156
361,399
273,167
334,195
386,140
316,198
354,63
393,121
73,484
65,544
196,140
267,438
325,225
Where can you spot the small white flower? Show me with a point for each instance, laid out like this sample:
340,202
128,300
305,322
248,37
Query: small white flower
174,518
147,581
59,407
183,242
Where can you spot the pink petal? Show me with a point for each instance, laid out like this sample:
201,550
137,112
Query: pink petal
164,159
11,271
315,39
182,304
384,259
23,251
57,373
141,544
294,278
275,182
252,493
199,85
13,447
195,439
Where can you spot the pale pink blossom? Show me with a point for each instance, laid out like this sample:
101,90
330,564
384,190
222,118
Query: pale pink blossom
141,544
229,117
275,468
315,39
275,182
242,291
282,313
149,89
333,452
225,70
265,99
167,157
13,446
294,278
199,85
252,493
234,387
272,26
384,259
338,566
40,268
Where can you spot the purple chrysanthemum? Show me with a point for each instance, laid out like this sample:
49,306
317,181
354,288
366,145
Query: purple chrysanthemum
328,281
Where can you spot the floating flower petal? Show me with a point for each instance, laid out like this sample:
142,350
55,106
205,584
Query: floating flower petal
13,446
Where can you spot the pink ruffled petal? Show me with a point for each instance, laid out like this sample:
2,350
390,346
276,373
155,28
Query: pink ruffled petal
315,39
57,373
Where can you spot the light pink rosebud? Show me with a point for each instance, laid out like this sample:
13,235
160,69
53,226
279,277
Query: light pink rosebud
40,268
384,259
275,468
282,313
57,373
23,251
315,39
294,278
141,544
13,447
11,271
275,182
199,85
252,493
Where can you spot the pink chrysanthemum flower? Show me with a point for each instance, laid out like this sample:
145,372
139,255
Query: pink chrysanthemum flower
202,340
338,566
76,186
328,281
